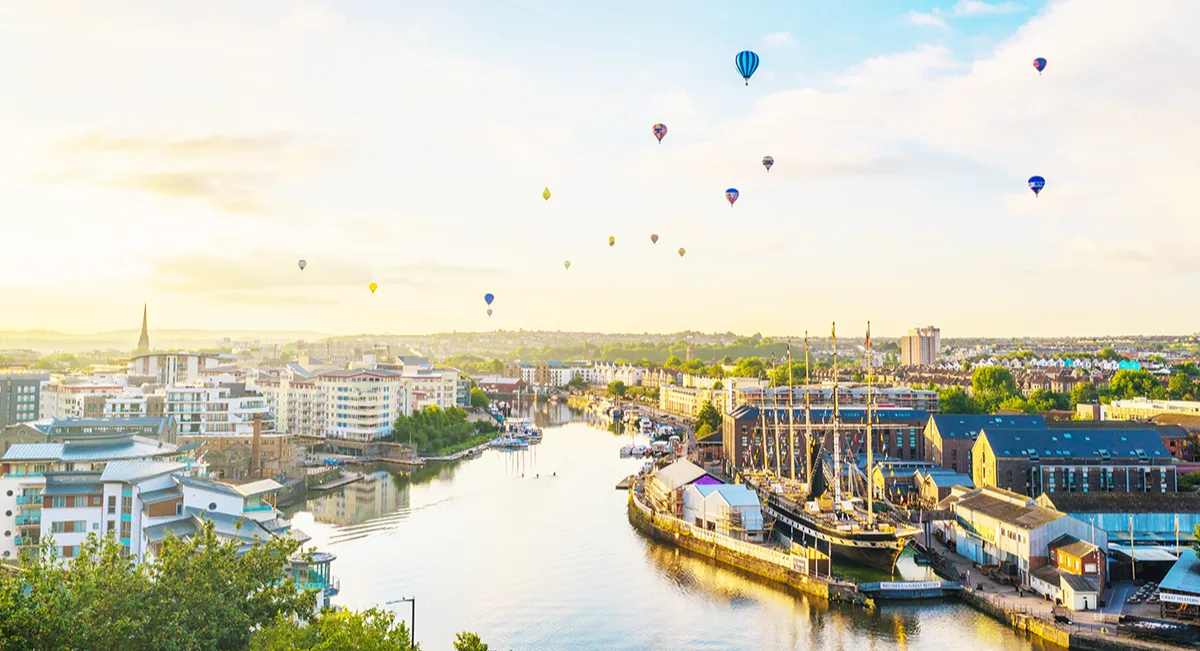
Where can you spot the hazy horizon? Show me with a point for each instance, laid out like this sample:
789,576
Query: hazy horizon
189,154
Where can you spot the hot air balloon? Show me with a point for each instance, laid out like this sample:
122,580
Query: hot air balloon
1040,64
546,193
567,264
660,130
488,298
731,194
489,311
654,238
302,264
768,162
1036,183
682,251
747,63
611,240
373,287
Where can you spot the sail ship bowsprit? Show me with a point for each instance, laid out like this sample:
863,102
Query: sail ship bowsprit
816,511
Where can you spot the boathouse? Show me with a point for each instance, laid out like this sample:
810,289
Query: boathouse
729,509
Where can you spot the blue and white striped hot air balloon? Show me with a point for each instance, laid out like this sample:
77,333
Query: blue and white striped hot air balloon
747,63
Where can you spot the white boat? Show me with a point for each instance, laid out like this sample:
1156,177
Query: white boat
646,425
509,442
627,451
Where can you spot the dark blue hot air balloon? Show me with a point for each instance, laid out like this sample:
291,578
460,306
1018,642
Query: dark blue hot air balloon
1040,64
1036,183
489,298
747,63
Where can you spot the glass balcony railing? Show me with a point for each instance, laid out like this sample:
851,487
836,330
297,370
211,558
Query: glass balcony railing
28,520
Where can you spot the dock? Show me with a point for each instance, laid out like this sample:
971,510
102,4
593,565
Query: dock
341,481
624,484
478,449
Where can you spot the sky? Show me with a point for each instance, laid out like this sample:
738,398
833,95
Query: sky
188,154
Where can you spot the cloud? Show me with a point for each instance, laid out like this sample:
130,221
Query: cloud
932,19
779,39
237,193
976,7
199,146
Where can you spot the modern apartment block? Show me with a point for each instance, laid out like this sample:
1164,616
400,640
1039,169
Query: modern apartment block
920,347
361,405
1033,461
65,398
217,410
169,369
20,397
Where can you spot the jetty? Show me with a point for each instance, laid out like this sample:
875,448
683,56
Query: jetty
469,452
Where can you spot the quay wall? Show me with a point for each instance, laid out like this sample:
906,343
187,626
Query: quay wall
751,559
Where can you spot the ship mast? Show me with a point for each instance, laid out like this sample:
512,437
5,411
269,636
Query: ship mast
837,446
775,426
870,445
791,419
808,435
762,426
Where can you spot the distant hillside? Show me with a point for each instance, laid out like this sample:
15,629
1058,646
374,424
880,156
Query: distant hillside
48,341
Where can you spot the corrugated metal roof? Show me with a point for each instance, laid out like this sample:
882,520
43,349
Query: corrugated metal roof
1073,546
1028,517
180,528
206,484
33,451
161,495
131,471
1080,583
73,488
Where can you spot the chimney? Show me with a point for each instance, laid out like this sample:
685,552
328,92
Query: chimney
256,449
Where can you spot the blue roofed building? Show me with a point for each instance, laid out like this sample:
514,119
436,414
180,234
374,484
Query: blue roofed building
949,438
1033,461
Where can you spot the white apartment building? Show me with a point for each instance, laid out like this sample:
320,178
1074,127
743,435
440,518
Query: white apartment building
295,399
432,387
361,405
57,488
66,398
218,410
134,402
170,369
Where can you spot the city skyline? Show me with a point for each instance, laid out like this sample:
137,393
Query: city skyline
188,156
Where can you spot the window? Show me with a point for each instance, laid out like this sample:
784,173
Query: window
58,502
111,527
68,551
58,527
112,504
125,529
127,504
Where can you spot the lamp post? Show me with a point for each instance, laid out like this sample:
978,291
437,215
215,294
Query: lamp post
412,630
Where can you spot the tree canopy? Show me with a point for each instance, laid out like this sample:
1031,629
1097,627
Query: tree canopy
341,630
479,399
708,416
991,386
1136,384
434,429
616,389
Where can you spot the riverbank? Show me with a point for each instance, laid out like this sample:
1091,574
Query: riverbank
460,450
789,570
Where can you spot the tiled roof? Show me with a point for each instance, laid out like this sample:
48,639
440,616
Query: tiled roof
951,426
1025,517
132,471
1076,443
1073,546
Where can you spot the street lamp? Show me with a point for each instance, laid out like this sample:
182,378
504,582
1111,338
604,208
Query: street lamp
412,630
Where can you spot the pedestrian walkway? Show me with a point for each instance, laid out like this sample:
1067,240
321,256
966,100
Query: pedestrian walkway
1003,596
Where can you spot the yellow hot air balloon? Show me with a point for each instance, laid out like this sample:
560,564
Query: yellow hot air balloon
567,264
373,287
546,193
611,240
682,251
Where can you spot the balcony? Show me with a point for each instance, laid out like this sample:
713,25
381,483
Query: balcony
29,520
29,500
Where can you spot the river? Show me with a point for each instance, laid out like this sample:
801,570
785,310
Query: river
532,550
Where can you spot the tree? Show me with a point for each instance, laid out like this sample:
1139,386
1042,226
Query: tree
991,386
201,593
366,630
479,399
1134,384
469,642
673,362
1189,368
616,389
1013,403
748,367
1188,482
1084,393
718,385
708,416
1181,387
577,383
954,400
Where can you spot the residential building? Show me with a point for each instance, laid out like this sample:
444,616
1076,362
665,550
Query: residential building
72,398
688,402
217,410
171,369
949,438
1075,575
494,384
821,395
59,430
134,402
728,509
296,399
1146,409
362,405
998,527
1033,461
920,347
40,489
654,378
20,397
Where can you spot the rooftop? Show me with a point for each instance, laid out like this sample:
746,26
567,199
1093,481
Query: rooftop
733,494
1077,443
1184,575
134,447
1081,583
1073,546
1027,517
849,415
57,426
132,471
951,426
680,473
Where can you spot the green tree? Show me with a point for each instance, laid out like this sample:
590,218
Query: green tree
1134,384
469,642
1181,387
954,400
748,367
341,630
718,385
616,389
673,362
779,375
479,399
1189,368
1013,403
708,416
1188,482
991,386
577,383
1084,393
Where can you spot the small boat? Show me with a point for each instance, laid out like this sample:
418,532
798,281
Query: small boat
627,451
509,443
646,425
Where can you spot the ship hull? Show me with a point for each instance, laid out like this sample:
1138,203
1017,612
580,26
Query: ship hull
876,549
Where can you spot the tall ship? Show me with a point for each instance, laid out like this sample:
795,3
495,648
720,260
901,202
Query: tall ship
820,508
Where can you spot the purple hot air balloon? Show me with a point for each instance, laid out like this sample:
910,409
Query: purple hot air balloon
489,311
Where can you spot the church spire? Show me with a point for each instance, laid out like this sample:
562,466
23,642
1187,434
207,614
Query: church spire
144,340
